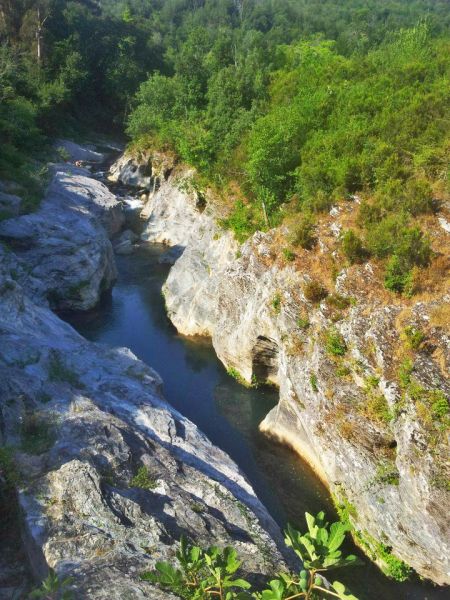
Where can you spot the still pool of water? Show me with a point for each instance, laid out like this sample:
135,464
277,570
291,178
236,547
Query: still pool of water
196,383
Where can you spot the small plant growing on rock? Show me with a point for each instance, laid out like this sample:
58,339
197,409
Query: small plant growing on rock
303,322
413,337
313,382
276,303
203,574
143,480
54,588
59,372
211,574
335,343
234,373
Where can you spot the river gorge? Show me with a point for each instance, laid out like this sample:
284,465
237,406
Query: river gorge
106,411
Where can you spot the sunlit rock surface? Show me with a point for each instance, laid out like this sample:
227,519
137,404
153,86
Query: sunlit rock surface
65,243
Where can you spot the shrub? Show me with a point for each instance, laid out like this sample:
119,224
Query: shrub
242,221
382,236
369,214
314,291
413,336
335,343
418,197
208,574
302,232
413,248
398,278
353,248
338,301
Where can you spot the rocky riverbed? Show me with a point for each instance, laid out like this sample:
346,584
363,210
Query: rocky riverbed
109,475
362,416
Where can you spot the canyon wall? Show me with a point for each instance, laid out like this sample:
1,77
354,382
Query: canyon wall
356,401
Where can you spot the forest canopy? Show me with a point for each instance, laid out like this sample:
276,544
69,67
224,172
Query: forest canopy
298,102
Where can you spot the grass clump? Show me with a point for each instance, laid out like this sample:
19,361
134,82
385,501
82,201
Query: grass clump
303,322
377,409
143,479
314,291
334,343
288,254
313,381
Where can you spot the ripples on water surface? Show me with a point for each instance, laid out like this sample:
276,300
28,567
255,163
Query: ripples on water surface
196,383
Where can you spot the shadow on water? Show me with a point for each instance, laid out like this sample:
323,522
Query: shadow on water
196,383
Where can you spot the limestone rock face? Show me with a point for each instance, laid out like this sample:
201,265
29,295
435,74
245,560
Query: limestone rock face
65,242
144,170
85,153
85,421
367,437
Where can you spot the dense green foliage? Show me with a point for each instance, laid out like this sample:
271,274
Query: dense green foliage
314,120
299,103
212,573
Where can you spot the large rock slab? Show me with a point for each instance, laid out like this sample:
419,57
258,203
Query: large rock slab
65,242
79,152
85,420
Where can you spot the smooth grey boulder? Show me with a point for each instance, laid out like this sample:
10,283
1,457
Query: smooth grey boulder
85,419
65,242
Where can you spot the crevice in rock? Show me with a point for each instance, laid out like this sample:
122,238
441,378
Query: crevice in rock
265,360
